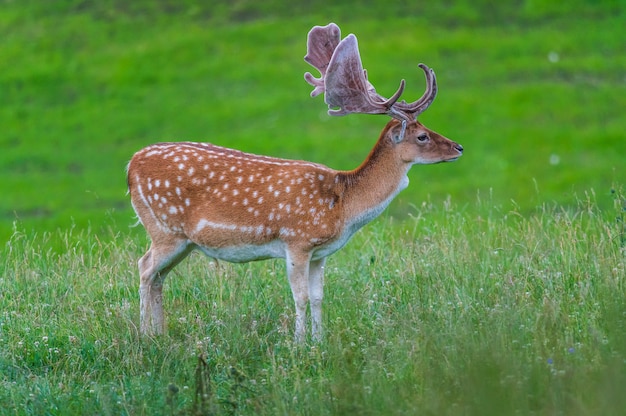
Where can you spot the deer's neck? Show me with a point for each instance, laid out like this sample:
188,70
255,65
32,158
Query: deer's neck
370,188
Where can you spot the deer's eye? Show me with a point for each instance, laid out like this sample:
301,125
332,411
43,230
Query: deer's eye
422,138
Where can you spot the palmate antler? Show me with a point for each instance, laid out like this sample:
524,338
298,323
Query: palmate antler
344,81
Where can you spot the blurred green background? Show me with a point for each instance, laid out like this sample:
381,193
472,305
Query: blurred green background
535,90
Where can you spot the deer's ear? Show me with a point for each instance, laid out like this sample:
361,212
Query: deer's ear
398,131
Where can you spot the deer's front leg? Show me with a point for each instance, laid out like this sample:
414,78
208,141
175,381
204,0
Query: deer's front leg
298,274
316,293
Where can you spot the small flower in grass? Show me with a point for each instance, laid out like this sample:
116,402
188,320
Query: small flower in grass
571,350
555,159
553,57
550,361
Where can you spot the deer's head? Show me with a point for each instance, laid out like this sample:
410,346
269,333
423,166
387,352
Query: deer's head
347,90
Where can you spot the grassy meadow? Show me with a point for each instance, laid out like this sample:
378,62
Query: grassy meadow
491,286
445,314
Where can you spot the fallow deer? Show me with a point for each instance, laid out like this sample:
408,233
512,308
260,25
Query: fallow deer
241,207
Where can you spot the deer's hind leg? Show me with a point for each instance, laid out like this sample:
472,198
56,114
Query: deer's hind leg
158,261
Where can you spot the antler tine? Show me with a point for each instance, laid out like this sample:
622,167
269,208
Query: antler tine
416,108
344,81
321,43
347,87
388,102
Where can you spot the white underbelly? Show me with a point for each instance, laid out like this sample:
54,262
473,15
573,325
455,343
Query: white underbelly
247,252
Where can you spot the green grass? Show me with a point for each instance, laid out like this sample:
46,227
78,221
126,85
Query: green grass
86,84
446,313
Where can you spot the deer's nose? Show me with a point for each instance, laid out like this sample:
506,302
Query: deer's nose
458,147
